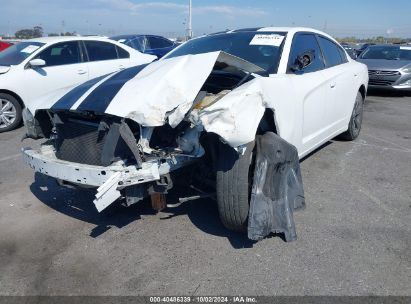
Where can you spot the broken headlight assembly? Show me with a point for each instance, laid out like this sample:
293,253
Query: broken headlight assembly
33,129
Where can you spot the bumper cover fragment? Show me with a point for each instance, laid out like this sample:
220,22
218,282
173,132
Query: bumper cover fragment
277,189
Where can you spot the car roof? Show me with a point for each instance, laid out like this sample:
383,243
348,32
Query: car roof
386,45
289,30
49,40
134,36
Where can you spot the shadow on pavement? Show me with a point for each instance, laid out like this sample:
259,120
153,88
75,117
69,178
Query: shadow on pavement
78,204
388,93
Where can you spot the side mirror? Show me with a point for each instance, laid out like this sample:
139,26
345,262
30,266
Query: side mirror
37,63
302,61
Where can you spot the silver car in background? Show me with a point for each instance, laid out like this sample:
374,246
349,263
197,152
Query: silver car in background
389,66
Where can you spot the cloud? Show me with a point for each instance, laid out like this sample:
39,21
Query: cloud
230,10
160,6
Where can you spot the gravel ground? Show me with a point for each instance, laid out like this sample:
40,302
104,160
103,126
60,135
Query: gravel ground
354,237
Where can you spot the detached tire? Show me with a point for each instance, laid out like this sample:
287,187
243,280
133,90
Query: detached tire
10,113
233,186
354,126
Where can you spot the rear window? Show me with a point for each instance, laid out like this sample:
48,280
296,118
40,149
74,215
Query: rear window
122,53
100,50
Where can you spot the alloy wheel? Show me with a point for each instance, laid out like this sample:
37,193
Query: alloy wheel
8,113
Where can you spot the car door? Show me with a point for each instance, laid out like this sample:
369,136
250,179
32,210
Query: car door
310,84
103,58
64,68
340,90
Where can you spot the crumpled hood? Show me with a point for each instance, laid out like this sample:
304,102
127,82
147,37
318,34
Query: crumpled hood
4,69
148,94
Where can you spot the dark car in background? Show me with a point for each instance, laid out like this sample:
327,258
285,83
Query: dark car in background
4,45
363,48
148,44
389,66
349,48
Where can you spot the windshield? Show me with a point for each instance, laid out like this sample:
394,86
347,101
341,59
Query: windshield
17,53
261,48
387,53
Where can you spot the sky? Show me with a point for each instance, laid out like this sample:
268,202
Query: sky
360,18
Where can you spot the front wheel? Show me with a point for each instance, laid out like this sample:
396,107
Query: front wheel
10,112
354,126
234,181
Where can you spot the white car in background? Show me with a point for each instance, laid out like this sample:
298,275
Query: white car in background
36,67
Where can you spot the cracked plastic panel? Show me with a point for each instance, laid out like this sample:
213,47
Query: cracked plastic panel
277,189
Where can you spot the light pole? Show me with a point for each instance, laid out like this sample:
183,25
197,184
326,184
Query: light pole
190,25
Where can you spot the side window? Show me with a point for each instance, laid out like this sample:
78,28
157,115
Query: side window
303,43
61,54
158,43
122,53
343,55
99,50
331,52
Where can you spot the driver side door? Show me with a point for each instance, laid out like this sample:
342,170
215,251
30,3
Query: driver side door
64,68
310,83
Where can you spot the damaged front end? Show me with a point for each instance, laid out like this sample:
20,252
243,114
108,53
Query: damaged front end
135,142
117,156
124,156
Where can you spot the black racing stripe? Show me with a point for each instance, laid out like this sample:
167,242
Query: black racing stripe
68,100
101,97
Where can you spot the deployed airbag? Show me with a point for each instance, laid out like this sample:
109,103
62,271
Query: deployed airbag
277,189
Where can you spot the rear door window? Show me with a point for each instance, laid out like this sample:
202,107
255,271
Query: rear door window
100,50
331,51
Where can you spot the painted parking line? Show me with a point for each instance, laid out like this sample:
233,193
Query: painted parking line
10,157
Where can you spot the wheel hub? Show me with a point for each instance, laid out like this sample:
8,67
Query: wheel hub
8,113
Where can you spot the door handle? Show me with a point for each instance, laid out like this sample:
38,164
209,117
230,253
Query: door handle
121,67
355,75
333,85
81,72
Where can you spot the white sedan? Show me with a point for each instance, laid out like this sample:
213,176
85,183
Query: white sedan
39,66
239,108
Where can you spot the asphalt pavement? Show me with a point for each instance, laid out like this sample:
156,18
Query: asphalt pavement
354,237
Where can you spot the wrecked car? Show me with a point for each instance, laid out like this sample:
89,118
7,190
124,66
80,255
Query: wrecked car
232,112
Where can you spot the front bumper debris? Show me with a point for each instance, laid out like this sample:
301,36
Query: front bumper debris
109,180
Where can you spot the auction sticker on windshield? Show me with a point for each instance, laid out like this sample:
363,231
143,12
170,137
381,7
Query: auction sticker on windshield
267,39
30,49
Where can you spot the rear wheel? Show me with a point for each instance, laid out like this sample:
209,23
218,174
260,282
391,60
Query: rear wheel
10,112
234,181
354,126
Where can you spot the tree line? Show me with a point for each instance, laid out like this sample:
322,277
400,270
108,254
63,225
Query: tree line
37,32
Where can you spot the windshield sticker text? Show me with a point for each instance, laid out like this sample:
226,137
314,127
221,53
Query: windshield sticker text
30,49
264,39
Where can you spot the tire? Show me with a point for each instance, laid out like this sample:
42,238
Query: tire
10,113
354,126
233,186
